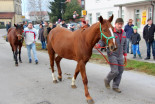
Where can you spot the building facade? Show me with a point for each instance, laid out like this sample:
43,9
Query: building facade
138,10
10,11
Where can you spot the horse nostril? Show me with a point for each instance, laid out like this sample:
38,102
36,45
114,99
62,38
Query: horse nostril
112,47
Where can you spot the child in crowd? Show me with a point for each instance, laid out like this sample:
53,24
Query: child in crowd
135,38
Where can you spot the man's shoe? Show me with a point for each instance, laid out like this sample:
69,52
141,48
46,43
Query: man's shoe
117,90
36,61
140,56
134,56
147,58
107,84
131,53
30,61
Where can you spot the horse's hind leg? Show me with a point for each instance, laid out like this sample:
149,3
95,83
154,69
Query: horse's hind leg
15,55
57,60
52,55
74,77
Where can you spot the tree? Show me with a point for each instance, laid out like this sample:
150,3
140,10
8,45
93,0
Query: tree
57,8
72,7
35,8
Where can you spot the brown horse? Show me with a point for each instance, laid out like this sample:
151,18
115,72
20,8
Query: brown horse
78,46
15,38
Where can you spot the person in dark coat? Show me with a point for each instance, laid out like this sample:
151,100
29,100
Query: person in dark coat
129,31
8,25
49,28
135,38
41,37
148,35
64,24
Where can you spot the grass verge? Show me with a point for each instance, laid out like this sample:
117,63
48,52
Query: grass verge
146,67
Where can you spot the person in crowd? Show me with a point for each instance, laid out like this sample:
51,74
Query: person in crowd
129,31
8,26
116,57
54,25
41,36
58,25
31,37
25,24
84,25
49,28
72,28
135,38
87,22
64,24
45,31
148,35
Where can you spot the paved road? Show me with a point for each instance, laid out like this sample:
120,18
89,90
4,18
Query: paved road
32,84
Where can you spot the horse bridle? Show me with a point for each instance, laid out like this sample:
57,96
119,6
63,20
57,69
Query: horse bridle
20,35
107,38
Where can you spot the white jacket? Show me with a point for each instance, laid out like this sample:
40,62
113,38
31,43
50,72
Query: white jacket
30,35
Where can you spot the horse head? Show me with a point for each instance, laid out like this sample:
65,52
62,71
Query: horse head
107,35
19,31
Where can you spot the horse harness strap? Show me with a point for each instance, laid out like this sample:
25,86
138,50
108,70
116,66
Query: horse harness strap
108,38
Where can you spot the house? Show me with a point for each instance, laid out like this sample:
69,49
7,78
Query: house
38,16
138,10
10,11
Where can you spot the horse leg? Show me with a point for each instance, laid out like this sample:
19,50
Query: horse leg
52,55
75,76
12,52
15,55
85,81
20,54
57,60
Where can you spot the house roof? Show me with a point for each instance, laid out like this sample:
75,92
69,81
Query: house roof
134,3
38,13
7,15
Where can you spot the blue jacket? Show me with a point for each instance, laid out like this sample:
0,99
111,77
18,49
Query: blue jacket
129,30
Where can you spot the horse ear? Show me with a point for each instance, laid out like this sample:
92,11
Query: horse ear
15,25
111,18
101,19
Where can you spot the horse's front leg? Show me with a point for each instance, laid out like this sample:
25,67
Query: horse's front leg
16,59
20,54
82,69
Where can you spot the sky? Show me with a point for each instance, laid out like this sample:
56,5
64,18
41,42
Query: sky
25,8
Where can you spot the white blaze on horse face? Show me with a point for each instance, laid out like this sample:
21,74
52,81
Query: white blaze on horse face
73,81
53,76
112,34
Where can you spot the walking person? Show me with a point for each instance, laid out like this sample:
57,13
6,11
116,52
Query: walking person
129,31
25,24
31,37
45,31
135,38
41,37
148,35
8,26
116,57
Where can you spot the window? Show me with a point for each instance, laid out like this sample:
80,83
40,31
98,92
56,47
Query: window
90,18
110,14
97,1
150,13
97,16
137,18
123,14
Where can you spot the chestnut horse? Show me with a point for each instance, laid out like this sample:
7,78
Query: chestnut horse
15,38
78,46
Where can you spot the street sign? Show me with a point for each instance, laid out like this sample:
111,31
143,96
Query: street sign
84,12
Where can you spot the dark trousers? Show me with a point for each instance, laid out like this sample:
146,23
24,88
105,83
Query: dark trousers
149,46
43,44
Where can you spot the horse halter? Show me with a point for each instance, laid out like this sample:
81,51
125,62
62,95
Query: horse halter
20,36
107,38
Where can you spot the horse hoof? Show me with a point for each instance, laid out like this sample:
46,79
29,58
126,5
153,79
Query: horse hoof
73,86
60,79
91,101
20,61
16,64
55,81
